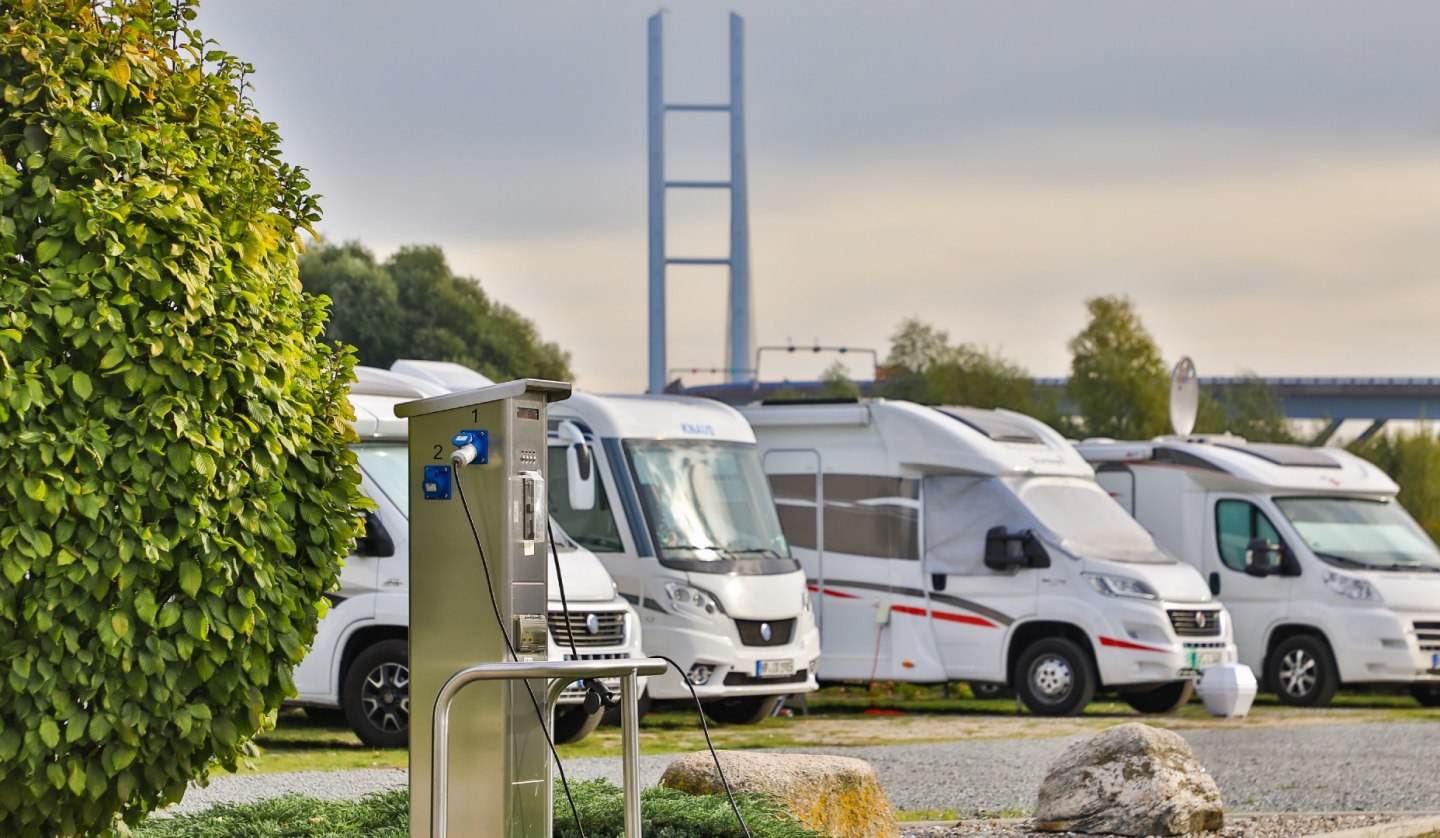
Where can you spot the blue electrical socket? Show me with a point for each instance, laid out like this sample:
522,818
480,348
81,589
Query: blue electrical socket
437,483
479,439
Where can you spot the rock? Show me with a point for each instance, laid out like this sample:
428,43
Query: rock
838,796
1132,779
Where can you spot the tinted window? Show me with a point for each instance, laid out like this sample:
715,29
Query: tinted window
387,464
1237,522
592,528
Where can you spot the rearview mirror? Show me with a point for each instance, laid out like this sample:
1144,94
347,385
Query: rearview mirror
376,541
579,467
1263,558
1008,551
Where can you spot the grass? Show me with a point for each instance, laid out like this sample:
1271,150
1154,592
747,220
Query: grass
837,716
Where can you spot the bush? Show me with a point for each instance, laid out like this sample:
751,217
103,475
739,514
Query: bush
293,816
1413,461
175,488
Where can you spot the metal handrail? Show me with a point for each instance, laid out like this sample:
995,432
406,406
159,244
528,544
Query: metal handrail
564,673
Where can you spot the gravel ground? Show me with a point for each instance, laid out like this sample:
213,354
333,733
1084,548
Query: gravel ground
1370,768
1242,826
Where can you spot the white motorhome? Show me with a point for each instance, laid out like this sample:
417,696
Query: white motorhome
1329,580
964,544
683,519
358,662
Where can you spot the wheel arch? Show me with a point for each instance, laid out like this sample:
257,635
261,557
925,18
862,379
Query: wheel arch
1027,633
360,640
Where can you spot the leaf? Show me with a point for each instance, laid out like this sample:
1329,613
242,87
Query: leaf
189,577
49,732
120,623
47,249
120,72
80,384
113,357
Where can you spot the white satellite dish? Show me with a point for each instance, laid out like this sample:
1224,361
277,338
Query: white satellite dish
1184,397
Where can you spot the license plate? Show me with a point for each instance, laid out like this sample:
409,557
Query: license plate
774,669
1201,658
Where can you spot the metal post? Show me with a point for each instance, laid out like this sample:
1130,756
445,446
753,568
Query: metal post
657,206
741,335
630,756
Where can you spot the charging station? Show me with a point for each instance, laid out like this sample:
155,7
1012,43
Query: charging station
477,459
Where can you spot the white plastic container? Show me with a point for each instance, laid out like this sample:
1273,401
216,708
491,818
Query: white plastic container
1228,689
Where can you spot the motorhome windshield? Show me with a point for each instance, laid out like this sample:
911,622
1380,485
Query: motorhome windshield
1088,521
708,506
387,464
1358,532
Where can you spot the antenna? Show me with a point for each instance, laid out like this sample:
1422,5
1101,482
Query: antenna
1184,397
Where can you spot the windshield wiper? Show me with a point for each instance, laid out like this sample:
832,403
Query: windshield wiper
758,551
1345,561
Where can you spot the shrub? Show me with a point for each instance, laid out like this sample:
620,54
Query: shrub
175,489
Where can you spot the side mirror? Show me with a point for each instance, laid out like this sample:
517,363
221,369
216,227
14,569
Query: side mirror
1263,558
938,581
579,467
1009,551
376,540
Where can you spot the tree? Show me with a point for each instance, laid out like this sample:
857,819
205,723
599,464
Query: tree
1248,408
1118,383
175,484
924,367
836,383
1413,461
413,306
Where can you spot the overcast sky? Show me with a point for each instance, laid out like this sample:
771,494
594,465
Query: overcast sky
1262,179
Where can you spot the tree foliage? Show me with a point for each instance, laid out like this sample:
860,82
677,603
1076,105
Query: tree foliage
1413,461
175,487
413,306
835,383
923,366
1248,408
1118,384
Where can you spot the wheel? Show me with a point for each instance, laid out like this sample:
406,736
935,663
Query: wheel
742,711
376,696
982,689
1166,699
611,717
572,723
1054,677
1301,670
332,716
1427,694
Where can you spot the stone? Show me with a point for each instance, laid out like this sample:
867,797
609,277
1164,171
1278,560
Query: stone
838,796
1132,779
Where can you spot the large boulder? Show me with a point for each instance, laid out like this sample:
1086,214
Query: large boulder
838,796
1132,779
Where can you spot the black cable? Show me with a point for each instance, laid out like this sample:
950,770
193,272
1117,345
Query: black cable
500,620
594,686
711,745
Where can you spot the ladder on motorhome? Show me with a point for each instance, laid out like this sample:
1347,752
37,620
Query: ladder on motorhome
739,337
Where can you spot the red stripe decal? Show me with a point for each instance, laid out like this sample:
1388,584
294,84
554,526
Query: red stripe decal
1124,644
943,615
834,593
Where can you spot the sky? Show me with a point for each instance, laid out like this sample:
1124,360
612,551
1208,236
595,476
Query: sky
1262,180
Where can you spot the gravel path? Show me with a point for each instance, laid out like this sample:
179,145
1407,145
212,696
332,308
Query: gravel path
1321,768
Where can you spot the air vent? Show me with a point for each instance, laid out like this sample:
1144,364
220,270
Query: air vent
1195,623
588,628
752,632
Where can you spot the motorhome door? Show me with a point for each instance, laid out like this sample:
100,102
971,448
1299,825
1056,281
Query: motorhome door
1255,602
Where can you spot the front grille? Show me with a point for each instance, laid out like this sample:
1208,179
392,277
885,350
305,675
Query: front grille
743,679
1429,636
609,628
1195,623
577,688
752,633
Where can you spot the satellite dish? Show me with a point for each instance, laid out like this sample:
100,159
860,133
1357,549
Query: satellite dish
1184,397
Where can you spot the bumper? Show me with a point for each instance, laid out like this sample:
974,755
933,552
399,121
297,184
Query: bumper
732,666
1138,644
1378,646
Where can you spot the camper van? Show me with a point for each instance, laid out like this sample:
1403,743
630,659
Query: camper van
1329,580
358,663
669,494
956,543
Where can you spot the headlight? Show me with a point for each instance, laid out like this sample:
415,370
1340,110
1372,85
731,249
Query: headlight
1120,586
1351,587
691,600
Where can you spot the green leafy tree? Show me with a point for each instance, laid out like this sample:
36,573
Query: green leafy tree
923,366
175,484
413,306
835,383
1248,408
1413,461
1118,385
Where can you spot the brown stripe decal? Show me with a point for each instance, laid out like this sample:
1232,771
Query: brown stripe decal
974,607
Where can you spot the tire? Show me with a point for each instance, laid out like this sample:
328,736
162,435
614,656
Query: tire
572,723
1165,699
1054,677
1427,694
1302,672
987,690
376,696
611,716
742,711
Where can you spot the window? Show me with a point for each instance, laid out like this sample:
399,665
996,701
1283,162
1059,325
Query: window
592,528
387,463
1237,523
